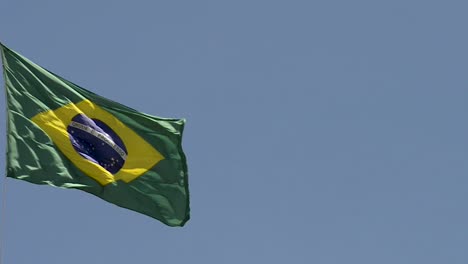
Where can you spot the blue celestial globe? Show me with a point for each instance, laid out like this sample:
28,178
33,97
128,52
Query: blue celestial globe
97,142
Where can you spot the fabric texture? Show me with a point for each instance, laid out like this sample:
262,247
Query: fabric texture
63,135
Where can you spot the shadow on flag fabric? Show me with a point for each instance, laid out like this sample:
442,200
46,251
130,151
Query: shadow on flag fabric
62,135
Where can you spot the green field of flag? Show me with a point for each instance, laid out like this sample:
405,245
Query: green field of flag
62,135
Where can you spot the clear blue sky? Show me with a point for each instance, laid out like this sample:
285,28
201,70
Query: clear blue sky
322,132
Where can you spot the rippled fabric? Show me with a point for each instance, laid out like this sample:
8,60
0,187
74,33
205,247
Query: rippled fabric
62,135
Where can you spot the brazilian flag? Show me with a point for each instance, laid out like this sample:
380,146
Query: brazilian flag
62,135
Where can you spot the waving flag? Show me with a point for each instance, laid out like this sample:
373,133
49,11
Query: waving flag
62,135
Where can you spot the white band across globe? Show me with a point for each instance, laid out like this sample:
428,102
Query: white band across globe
105,138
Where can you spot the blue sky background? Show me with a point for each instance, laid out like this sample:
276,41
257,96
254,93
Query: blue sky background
318,131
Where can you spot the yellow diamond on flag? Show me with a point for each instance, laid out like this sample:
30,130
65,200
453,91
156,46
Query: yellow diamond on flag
106,151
